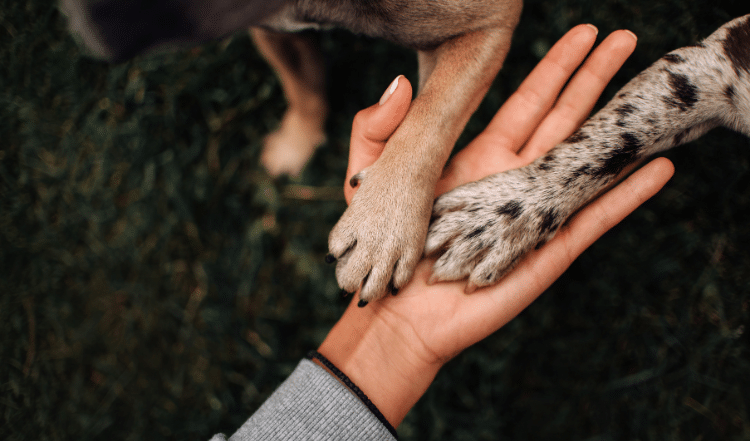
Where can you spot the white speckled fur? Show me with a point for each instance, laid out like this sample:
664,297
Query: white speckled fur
482,229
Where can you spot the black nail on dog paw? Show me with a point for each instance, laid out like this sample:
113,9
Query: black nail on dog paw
392,289
330,258
362,303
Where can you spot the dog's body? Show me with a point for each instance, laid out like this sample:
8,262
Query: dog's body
461,46
482,229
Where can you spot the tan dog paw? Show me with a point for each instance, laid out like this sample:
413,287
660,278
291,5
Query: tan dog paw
378,241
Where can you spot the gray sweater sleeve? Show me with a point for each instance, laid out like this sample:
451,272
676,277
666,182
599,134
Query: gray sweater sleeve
311,405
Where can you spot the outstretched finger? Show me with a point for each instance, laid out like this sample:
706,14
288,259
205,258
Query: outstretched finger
518,118
581,94
373,126
494,150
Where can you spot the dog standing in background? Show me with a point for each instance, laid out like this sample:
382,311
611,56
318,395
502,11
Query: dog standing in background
460,44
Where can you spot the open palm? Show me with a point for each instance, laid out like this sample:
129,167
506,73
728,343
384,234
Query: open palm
433,323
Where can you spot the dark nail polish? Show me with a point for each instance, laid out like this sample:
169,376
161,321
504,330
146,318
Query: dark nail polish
362,303
330,258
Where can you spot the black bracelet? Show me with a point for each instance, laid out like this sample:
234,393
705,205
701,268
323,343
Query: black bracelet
312,355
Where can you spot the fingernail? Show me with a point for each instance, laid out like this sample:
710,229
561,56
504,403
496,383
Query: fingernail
362,303
389,92
593,27
330,259
635,37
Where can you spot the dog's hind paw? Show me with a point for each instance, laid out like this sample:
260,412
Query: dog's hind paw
287,150
481,230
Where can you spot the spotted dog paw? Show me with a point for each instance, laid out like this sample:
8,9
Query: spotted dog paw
379,239
481,230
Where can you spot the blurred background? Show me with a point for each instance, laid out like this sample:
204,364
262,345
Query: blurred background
156,284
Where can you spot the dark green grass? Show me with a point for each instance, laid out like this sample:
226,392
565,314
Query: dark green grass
156,284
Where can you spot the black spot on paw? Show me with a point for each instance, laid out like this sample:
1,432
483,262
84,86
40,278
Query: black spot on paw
673,59
729,92
551,220
625,109
546,162
477,231
622,156
737,46
577,173
684,93
512,209
623,112
577,137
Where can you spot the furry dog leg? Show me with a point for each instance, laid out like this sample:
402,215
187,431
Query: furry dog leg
482,229
379,240
299,65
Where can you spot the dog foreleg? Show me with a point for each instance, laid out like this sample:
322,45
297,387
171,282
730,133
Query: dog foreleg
379,239
481,230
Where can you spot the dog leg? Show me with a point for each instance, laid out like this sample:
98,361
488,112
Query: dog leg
379,239
298,63
481,230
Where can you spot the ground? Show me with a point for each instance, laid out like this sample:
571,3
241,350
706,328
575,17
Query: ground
155,283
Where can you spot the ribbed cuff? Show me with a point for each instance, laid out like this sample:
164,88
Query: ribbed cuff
312,405
313,355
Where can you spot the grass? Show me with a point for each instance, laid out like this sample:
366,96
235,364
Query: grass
156,284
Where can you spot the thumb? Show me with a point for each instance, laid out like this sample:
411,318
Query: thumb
373,126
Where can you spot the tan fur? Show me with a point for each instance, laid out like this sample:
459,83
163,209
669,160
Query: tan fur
461,45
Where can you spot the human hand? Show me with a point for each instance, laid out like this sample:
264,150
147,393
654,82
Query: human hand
393,348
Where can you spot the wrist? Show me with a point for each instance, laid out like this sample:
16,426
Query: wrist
378,355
